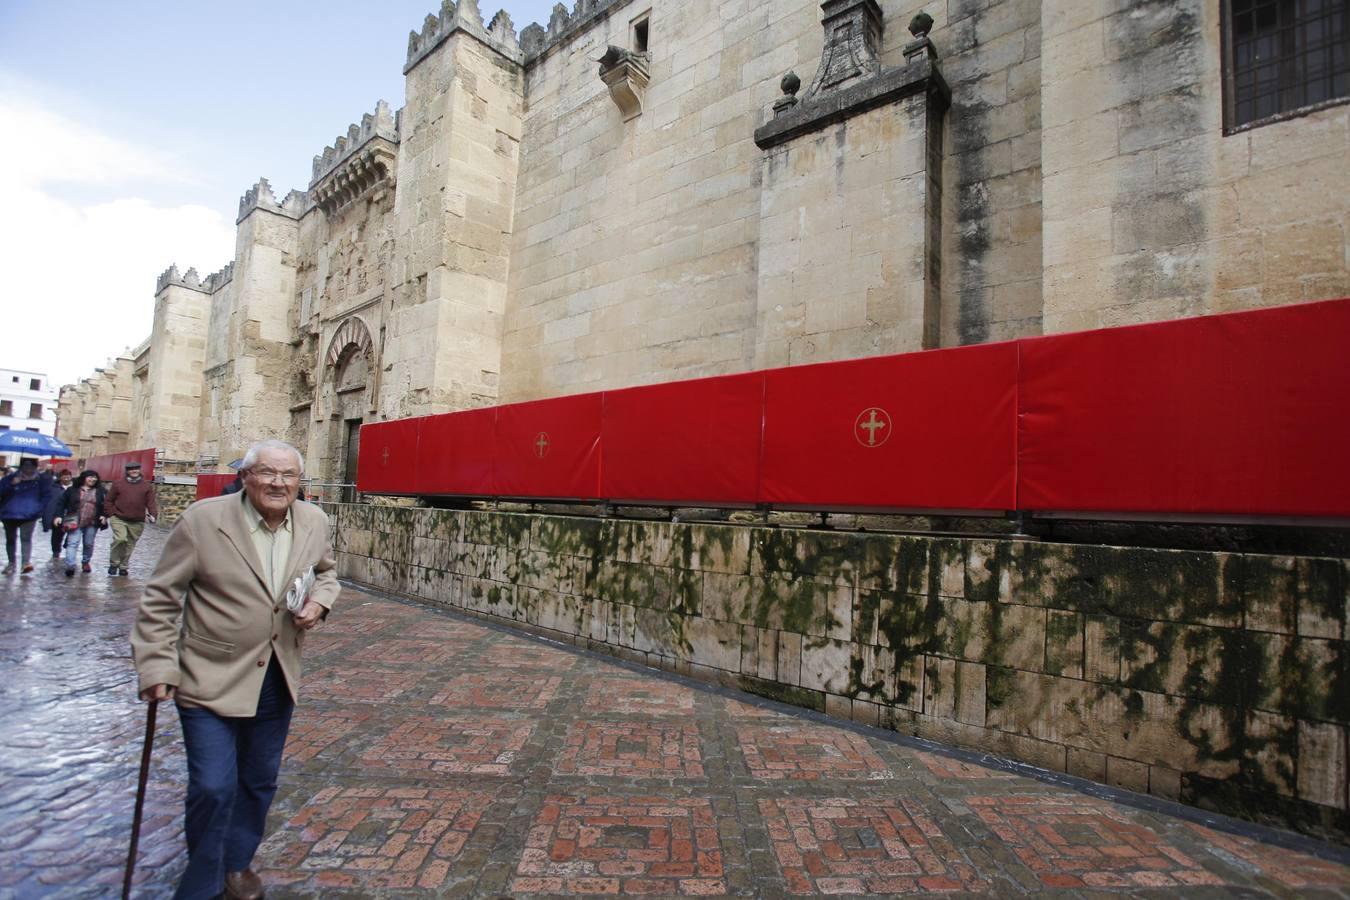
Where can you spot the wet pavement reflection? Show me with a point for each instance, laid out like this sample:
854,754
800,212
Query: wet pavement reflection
433,755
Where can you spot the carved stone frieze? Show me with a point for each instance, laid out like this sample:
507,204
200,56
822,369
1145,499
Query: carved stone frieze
850,79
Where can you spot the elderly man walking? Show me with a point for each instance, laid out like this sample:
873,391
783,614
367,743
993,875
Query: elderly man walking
130,502
233,666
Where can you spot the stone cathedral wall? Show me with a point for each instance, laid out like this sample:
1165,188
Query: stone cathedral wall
1214,678
522,230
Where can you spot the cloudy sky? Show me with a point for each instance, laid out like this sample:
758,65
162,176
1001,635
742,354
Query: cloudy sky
132,129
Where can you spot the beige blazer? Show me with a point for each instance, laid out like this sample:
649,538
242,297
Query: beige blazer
217,653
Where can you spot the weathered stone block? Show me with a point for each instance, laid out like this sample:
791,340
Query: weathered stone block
1182,660
720,548
555,611
1270,591
802,606
825,665
715,644
1175,586
1164,782
810,555
989,571
955,690
1322,764
789,658
891,563
635,584
1086,764
1101,649
899,621
562,536
1017,636
660,631
1064,576
1064,643
1127,774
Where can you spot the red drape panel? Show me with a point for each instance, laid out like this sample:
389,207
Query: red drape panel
210,485
1237,414
549,448
455,452
933,430
386,458
687,441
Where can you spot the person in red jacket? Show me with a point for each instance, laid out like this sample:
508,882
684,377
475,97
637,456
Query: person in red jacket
130,502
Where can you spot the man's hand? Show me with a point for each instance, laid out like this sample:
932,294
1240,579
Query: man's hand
309,616
157,692
56,520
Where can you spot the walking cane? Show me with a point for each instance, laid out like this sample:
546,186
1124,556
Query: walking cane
140,797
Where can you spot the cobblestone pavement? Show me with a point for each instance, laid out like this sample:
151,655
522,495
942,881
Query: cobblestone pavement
434,756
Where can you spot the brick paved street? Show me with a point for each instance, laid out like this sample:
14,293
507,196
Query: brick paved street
434,756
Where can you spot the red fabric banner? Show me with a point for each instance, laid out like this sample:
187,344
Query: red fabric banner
687,441
1236,414
1241,414
386,458
112,467
455,453
549,448
212,485
931,430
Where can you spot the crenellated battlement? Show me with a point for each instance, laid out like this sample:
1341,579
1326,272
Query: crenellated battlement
260,196
498,34
192,281
382,124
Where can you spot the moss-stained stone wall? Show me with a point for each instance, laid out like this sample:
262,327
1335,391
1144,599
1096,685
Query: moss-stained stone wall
1218,679
173,499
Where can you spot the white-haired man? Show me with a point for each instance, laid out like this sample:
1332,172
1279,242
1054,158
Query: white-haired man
233,666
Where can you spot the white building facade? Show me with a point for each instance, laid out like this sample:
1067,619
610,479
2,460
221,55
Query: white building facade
27,403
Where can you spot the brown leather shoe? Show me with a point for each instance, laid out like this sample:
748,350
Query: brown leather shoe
245,885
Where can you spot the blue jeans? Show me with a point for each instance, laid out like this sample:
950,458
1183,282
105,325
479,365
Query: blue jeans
73,538
232,777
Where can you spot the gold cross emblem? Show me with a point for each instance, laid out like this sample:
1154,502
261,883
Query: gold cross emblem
541,444
872,428
386,456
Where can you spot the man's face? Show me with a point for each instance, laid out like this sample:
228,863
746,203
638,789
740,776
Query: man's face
28,467
66,479
133,475
272,482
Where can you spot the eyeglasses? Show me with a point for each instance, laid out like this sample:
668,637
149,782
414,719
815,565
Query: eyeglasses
271,476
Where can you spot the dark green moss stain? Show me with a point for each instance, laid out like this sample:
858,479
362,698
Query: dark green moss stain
1063,643
808,554
1235,798
1167,584
569,537
1000,686
783,693
982,584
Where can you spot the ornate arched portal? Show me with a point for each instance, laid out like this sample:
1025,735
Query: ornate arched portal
349,388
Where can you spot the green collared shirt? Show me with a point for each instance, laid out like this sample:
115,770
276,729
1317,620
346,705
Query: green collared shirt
273,547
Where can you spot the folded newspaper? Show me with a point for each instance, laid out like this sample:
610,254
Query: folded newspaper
299,590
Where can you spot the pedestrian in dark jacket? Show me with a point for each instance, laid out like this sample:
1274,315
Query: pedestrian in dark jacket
64,480
82,516
23,496
130,503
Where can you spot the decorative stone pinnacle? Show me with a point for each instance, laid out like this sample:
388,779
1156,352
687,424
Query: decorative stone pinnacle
922,45
789,85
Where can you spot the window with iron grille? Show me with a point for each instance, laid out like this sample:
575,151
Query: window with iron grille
1284,57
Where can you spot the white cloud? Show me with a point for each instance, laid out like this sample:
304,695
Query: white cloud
77,270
